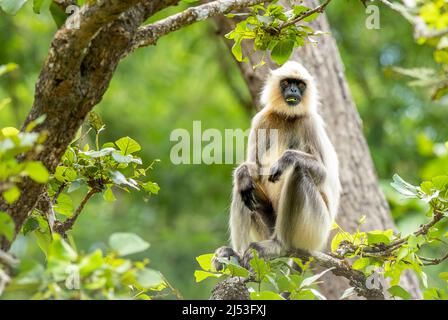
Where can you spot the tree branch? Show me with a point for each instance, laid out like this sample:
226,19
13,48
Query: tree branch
63,227
148,35
387,249
234,288
306,14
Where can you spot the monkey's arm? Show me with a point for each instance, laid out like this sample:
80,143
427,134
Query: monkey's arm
307,161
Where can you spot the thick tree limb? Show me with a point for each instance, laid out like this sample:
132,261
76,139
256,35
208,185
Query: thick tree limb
235,289
148,35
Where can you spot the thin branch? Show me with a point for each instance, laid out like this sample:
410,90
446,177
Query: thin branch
433,261
63,227
305,14
423,230
148,35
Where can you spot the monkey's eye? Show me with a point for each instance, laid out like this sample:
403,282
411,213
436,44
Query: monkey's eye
302,86
284,83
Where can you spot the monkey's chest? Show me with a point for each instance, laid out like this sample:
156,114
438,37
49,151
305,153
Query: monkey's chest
267,160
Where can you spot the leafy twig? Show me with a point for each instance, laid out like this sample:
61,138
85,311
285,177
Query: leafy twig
63,227
305,14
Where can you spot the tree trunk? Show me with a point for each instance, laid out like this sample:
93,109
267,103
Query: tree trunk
361,194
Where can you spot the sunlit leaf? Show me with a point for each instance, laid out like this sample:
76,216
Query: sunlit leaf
127,243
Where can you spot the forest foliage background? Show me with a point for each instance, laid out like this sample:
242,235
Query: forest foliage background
185,78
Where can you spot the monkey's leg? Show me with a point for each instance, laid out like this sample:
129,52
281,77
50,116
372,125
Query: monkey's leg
249,210
254,198
240,225
303,219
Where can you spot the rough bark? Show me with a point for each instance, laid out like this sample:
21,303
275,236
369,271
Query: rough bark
361,194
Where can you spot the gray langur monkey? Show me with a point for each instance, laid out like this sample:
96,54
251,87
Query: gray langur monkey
286,193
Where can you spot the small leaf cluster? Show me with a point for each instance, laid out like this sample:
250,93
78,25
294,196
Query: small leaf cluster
268,26
265,278
13,144
68,274
113,165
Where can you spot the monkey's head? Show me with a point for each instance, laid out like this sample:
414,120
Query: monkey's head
289,90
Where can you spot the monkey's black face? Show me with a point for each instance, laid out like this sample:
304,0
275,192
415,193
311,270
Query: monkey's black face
292,91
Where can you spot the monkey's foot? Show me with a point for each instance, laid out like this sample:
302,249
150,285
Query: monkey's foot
223,253
266,249
249,254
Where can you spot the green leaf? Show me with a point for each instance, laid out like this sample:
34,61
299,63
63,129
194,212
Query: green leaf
403,187
201,275
151,187
100,153
311,280
7,226
64,205
128,145
402,253
234,269
96,122
361,263
11,195
149,278
58,14
127,243
30,225
65,174
125,159
440,182
258,265
11,6
108,195
90,263
397,291
119,179
299,9
37,171
282,51
338,238
311,17
5,68
59,249
205,261
265,295
443,275
379,236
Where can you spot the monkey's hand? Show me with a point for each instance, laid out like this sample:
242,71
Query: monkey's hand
245,184
224,253
283,163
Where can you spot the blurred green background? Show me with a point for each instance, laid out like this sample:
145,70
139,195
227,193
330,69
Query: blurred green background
185,78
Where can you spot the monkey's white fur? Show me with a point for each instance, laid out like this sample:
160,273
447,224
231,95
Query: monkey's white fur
309,221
